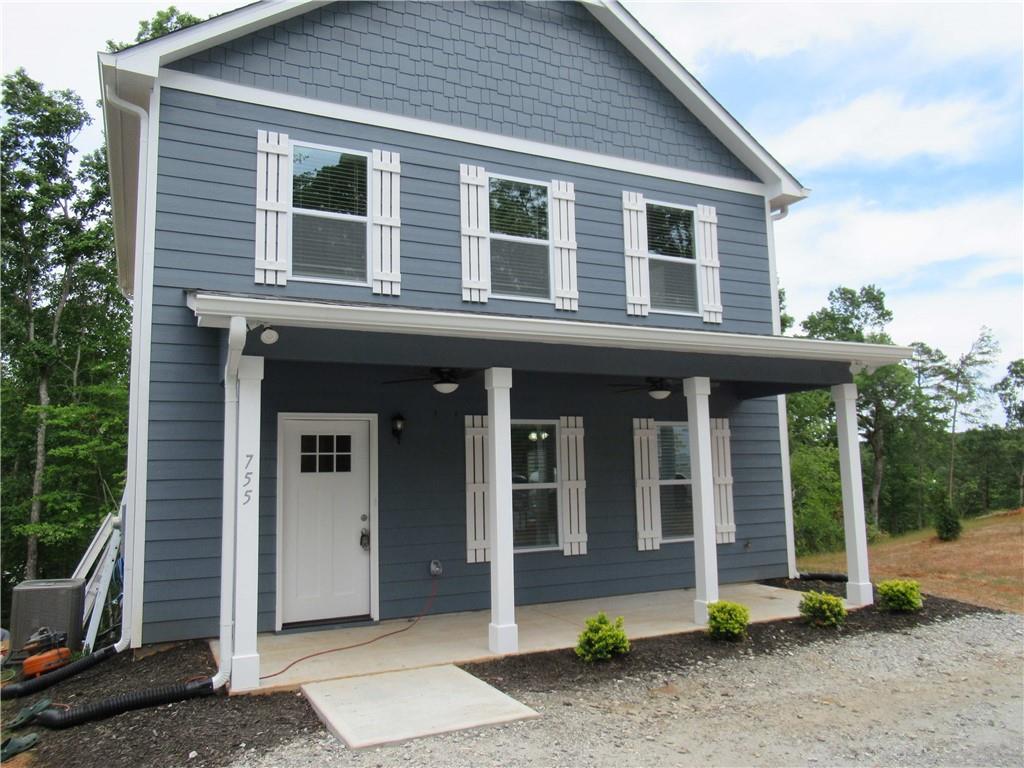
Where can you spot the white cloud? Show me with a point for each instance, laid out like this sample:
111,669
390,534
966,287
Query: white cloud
882,128
927,33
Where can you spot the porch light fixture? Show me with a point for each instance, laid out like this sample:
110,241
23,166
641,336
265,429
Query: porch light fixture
445,387
397,426
269,335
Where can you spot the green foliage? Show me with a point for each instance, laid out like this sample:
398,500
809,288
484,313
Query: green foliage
899,596
817,498
163,23
602,639
822,609
728,621
1010,390
947,522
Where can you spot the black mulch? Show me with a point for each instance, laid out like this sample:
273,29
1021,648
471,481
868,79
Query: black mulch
215,727
220,729
672,655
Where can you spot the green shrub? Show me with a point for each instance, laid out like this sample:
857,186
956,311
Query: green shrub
899,596
602,639
947,522
823,610
728,621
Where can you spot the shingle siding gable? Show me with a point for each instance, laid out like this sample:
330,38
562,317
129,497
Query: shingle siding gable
547,72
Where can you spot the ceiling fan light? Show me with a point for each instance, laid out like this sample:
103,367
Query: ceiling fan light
446,387
659,393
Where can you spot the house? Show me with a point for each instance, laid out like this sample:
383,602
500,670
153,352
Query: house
466,300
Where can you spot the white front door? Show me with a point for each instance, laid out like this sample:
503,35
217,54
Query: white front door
325,519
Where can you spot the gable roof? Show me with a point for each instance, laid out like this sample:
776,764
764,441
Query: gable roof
129,74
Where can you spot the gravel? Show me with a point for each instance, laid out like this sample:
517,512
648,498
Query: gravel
948,693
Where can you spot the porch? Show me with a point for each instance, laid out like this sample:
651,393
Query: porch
455,638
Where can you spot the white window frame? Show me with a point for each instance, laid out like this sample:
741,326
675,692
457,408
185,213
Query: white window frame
675,260
543,486
491,235
367,219
675,539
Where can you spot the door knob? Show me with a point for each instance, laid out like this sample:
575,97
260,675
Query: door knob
364,539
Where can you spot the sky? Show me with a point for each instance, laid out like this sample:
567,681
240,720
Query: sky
904,119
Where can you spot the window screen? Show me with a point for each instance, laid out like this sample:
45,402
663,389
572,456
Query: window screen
534,485
329,199
520,251
673,262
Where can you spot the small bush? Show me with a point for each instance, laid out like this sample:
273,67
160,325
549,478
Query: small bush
728,621
823,610
947,523
602,639
900,596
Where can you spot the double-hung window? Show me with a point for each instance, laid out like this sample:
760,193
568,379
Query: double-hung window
675,484
672,255
329,214
520,245
535,517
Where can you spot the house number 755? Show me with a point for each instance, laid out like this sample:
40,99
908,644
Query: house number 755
247,480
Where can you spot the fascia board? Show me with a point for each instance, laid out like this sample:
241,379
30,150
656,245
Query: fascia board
214,310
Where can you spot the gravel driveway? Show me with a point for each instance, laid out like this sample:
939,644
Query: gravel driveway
948,693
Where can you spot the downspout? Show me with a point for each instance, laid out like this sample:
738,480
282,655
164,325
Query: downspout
236,341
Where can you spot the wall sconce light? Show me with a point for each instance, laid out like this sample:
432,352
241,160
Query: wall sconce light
269,335
397,426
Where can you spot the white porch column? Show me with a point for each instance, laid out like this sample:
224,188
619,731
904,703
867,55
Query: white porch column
705,554
245,662
503,634
858,585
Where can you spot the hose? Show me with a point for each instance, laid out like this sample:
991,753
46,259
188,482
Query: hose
125,702
27,687
824,577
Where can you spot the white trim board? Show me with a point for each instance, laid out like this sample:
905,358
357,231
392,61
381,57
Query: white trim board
215,310
372,420
186,81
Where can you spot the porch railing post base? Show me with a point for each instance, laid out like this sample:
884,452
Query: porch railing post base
503,638
245,672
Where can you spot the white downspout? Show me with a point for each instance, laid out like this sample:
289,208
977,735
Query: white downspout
127,519
236,341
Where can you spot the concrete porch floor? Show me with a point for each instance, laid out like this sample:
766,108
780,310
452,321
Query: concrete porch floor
453,638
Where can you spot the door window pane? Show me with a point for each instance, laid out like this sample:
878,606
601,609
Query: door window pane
535,517
676,511
520,269
534,453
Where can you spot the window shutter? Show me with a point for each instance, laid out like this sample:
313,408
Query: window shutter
707,263
573,485
638,277
273,207
385,216
563,240
476,245
721,470
648,499
476,490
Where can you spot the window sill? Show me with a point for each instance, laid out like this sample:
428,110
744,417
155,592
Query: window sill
328,281
529,550
531,299
680,540
678,313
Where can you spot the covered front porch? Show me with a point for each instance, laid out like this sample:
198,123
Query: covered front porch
456,638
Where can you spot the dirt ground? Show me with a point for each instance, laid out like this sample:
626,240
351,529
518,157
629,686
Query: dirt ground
985,566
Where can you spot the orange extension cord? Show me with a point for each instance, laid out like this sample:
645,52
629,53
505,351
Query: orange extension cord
410,625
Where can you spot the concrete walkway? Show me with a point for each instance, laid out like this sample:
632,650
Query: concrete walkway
453,638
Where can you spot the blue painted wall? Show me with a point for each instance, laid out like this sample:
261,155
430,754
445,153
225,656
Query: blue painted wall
543,71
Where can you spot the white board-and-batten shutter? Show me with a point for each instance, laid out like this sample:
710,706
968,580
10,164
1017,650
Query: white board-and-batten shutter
273,207
385,217
638,276
572,485
475,230
721,469
648,493
708,267
563,243
477,543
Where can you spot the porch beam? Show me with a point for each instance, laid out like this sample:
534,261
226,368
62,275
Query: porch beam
705,555
858,584
245,661
503,634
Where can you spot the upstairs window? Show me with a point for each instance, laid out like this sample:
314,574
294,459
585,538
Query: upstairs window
672,255
520,246
535,485
329,214
674,481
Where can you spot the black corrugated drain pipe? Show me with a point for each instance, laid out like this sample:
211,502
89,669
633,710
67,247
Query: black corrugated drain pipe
125,702
27,687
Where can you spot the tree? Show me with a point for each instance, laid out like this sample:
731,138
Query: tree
65,326
163,22
1010,390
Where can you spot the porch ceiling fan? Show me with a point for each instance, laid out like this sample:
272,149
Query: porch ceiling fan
445,380
657,387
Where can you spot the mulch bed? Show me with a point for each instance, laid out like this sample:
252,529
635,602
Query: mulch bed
220,729
215,727
673,654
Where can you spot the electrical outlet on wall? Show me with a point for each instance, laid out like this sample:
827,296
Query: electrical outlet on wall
435,568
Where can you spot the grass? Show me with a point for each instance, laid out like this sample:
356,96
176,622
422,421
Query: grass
985,566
